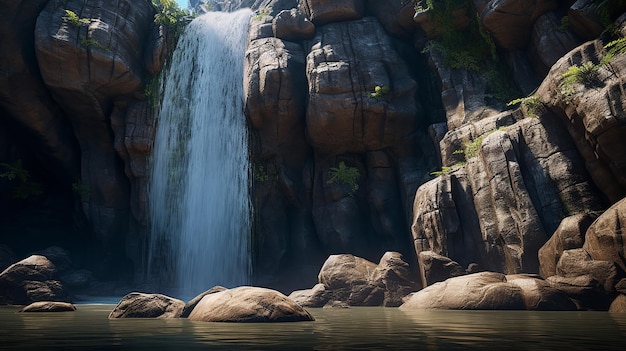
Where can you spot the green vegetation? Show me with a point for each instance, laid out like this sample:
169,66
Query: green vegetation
471,49
72,18
24,188
532,104
171,16
564,24
345,175
379,92
80,188
446,169
261,14
260,175
613,49
89,43
604,9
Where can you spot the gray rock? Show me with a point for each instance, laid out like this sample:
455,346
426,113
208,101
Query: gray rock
248,304
140,305
326,11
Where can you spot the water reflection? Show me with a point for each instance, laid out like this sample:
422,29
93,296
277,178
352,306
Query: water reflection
340,329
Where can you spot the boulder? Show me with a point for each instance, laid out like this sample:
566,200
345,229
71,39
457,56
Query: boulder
437,268
292,25
578,262
58,256
248,304
346,112
586,292
569,235
509,22
189,306
317,296
479,291
395,15
549,42
30,280
325,11
605,239
49,306
540,295
583,19
395,277
619,304
140,305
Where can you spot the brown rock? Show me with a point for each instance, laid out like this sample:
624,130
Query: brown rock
140,305
619,304
569,235
189,306
348,60
49,306
479,291
346,272
437,268
30,280
248,304
510,21
586,292
394,275
292,25
540,295
584,21
317,296
605,239
325,11
577,262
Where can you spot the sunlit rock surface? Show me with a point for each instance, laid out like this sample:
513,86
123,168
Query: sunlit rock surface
140,305
32,279
49,306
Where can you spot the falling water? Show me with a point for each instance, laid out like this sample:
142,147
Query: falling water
199,198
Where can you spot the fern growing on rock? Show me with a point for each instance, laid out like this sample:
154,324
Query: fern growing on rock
345,175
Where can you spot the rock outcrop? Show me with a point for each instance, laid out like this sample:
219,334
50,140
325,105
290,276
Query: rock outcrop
248,304
49,306
357,282
30,280
140,305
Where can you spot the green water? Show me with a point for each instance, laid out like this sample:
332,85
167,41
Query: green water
334,329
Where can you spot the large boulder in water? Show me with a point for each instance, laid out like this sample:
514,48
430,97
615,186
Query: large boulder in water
248,304
29,280
49,306
605,239
140,305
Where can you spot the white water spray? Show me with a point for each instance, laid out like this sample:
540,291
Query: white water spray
199,191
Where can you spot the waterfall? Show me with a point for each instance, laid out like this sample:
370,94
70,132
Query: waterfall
199,189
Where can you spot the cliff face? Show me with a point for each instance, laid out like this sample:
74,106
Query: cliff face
374,128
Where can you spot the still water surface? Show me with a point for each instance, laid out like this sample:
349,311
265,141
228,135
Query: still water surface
363,328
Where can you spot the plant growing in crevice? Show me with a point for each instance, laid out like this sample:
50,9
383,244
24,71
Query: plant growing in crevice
89,43
379,92
446,169
24,187
344,175
171,16
532,105
260,175
72,18
585,74
262,13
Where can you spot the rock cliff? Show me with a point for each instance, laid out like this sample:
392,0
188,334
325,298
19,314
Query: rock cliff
375,127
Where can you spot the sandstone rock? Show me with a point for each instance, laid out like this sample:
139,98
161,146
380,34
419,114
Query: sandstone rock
586,292
510,21
583,19
395,277
549,42
24,98
49,306
248,304
336,304
292,25
189,306
605,239
30,280
347,61
480,291
317,296
87,68
577,262
592,115
59,257
619,304
569,235
325,11
346,272
437,268
540,295
140,305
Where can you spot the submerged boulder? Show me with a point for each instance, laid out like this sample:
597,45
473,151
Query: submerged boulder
140,305
248,304
49,306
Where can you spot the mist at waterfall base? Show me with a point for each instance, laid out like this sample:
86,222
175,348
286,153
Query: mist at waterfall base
199,189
